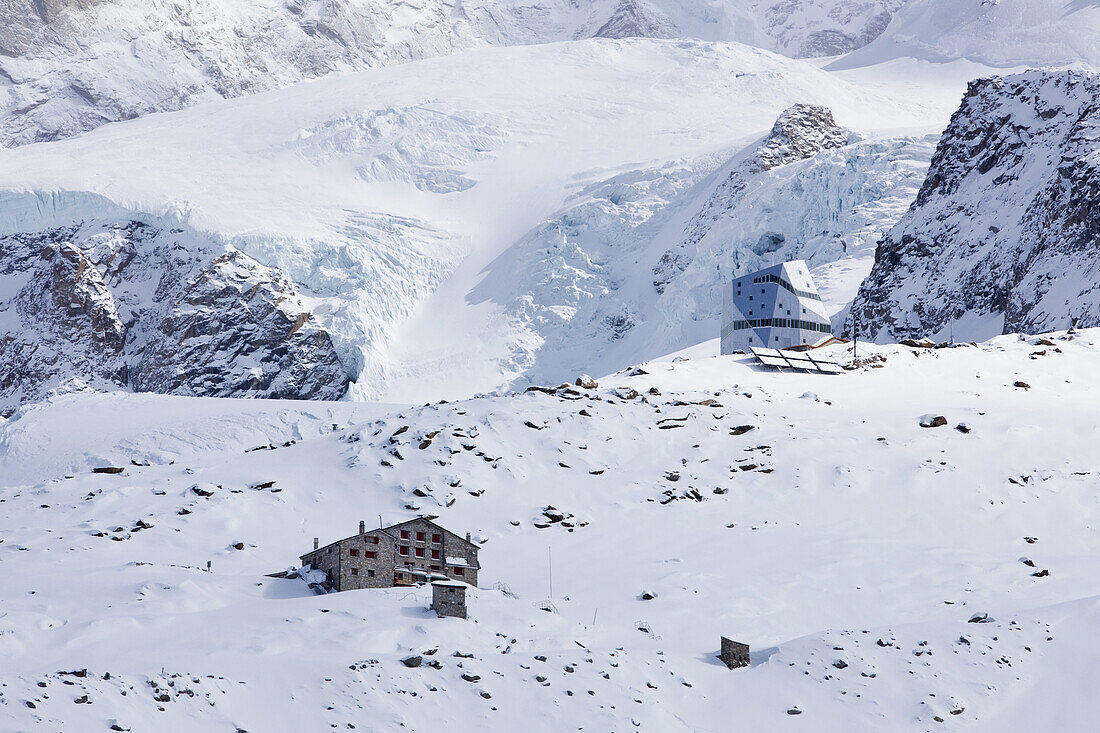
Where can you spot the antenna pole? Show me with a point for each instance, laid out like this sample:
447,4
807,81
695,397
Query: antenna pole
855,336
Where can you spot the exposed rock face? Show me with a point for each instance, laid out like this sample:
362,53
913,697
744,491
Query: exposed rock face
637,19
1004,236
801,132
129,304
857,24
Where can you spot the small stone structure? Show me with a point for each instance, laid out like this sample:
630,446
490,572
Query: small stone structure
449,598
734,653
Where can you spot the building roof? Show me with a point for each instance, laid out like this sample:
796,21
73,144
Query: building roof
450,584
386,532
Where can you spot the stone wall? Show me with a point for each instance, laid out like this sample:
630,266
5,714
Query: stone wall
448,600
734,653
350,566
451,545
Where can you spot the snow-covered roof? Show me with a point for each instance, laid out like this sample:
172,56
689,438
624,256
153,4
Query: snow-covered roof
458,562
450,584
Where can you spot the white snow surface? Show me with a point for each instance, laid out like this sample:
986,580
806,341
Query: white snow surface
387,195
67,66
847,545
999,33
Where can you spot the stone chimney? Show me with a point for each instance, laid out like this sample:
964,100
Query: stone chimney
467,536
316,542
362,527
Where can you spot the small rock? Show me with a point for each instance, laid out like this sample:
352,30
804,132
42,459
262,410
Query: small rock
932,421
237,545
840,664
1021,385
1041,574
647,596
107,469
741,429
471,677
963,428
413,660
979,618
586,382
794,711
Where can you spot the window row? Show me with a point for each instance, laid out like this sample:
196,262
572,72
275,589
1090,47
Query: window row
420,537
780,323
783,284
418,551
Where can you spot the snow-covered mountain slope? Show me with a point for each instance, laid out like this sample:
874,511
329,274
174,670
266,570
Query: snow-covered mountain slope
376,190
68,66
94,296
809,516
998,33
584,287
1003,235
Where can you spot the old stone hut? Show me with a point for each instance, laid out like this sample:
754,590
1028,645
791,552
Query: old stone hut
413,551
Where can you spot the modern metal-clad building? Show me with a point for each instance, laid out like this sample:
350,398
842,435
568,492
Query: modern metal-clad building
774,308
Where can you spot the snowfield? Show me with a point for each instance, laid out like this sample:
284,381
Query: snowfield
807,515
386,195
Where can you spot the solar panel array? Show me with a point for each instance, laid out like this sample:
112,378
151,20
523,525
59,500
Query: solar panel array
801,360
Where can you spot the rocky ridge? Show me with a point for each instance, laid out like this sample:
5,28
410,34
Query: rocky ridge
137,303
1003,235
802,131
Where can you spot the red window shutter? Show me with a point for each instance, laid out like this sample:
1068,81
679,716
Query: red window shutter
419,536
460,571
404,534
435,567
435,554
376,540
370,553
354,553
420,552
437,538
404,550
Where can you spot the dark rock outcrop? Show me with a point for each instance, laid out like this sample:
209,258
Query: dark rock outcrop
1004,235
112,304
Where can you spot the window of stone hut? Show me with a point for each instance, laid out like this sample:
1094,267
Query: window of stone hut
437,538
370,553
420,552
404,550
435,554
354,553
404,534
371,540
355,571
460,571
